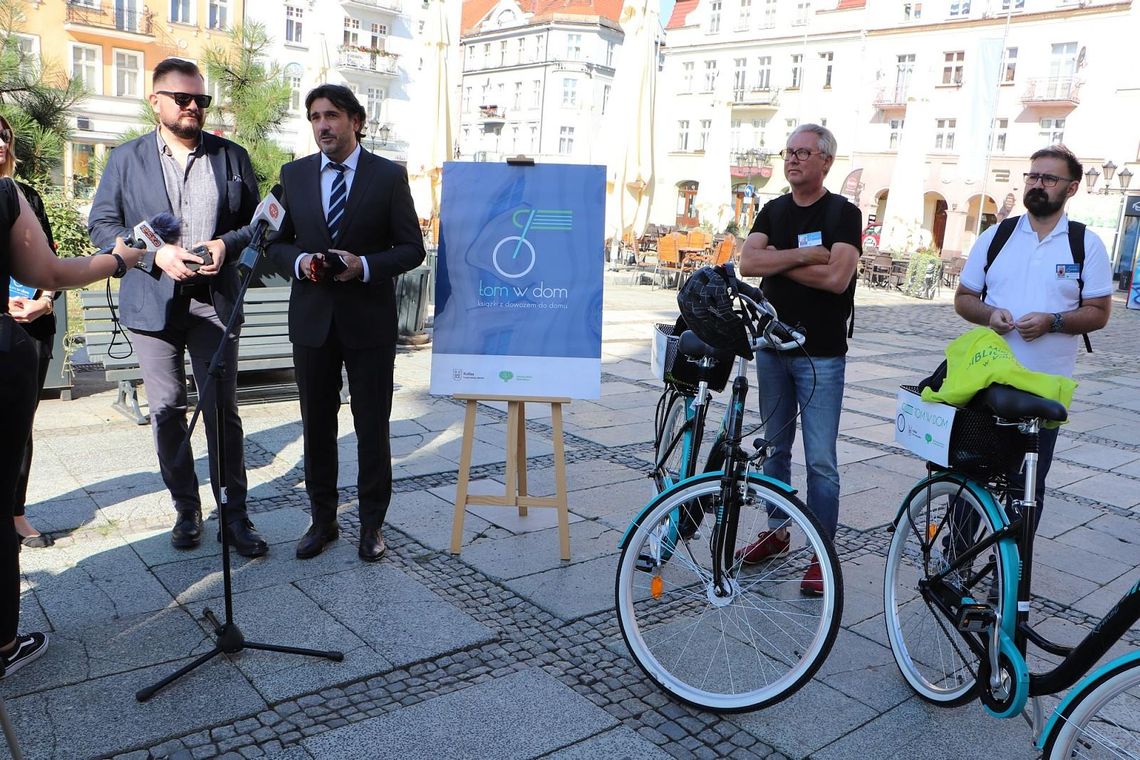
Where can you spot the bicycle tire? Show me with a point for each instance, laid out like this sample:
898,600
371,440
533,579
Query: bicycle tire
672,469
928,649
1104,721
781,637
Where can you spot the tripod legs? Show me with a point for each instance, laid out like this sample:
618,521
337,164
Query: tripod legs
230,641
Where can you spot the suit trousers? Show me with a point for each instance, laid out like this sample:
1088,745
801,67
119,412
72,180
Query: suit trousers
192,327
43,349
370,378
18,357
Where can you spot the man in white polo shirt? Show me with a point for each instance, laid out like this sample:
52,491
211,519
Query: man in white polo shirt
1032,289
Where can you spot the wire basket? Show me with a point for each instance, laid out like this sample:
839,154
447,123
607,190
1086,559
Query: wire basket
669,365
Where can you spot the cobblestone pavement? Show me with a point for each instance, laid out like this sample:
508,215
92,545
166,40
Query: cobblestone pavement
506,651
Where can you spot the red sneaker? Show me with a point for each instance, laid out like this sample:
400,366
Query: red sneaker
812,584
768,545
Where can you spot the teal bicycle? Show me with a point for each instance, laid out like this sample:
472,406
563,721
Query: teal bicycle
957,596
708,627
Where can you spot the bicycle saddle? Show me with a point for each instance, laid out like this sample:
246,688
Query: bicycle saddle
1013,404
696,349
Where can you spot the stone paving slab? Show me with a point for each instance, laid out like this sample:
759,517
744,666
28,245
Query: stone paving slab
571,592
623,743
521,716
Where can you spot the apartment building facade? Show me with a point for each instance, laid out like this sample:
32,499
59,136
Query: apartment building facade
112,46
940,103
537,81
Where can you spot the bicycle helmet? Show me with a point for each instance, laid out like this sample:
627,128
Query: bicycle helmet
707,304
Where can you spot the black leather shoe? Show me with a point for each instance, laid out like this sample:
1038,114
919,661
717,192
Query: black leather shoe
371,545
245,540
187,531
316,538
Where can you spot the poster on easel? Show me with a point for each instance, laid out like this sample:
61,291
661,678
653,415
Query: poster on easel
518,298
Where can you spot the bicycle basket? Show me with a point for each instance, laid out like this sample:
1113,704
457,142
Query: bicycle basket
670,366
979,446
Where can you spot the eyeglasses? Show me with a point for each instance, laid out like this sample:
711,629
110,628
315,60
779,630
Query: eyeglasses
801,154
183,99
1046,180
6,136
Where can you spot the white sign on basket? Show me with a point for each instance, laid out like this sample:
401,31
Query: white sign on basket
923,428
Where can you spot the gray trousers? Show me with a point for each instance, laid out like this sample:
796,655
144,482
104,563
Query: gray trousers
194,327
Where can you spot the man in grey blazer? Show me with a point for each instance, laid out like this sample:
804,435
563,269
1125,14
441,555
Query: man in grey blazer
350,227
169,308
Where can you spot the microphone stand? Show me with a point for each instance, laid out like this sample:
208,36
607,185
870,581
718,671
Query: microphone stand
229,637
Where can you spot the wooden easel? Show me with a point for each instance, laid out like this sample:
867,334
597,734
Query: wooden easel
516,490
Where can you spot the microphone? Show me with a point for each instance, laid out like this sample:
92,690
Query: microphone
151,235
269,214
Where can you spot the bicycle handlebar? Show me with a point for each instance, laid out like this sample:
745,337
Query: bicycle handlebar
773,332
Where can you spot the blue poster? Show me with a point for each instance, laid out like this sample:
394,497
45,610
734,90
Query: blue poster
518,299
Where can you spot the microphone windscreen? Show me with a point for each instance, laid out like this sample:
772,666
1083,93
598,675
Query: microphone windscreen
167,226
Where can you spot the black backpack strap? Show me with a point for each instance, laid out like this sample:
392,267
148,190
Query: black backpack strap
835,203
1077,247
1004,230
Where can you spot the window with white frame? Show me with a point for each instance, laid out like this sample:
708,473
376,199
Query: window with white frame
710,76
1000,130
294,21
469,58
351,31
734,136
379,33
912,11
516,102
828,61
486,55
1051,132
514,138
503,52
468,104
1018,5
944,133
376,97
1009,64
533,137
683,134
768,19
896,126
714,16
180,11
764,72
86,66
797,70
959,8
28,47
904,67
219,14
292,76
566,140
739,78
744,15
569,92
703,138
803,10
953,64
537,47
606,89
128,74
536,93
687,69
573,47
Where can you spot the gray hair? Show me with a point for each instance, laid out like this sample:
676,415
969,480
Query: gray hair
827,144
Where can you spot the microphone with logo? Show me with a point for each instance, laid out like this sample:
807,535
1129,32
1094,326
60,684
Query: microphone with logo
150,235
269,215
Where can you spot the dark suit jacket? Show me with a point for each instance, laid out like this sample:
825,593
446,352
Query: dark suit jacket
379,225
132,189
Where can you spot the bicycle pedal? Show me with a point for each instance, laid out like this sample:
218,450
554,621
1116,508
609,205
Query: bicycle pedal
974,617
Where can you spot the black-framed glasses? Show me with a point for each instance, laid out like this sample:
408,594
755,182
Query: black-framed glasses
183,99
1046,180
801,154
6,136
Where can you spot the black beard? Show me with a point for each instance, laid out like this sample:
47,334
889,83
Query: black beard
1038,203
184,131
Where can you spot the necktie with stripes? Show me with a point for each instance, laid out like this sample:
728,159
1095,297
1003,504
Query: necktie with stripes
336,199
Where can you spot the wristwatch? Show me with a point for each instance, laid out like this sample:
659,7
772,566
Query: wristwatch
120,267
1058,323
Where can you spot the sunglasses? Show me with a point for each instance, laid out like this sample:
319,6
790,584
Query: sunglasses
183,99
6,136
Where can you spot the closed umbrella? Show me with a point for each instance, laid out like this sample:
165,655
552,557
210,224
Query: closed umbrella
629,124
430,143
714,188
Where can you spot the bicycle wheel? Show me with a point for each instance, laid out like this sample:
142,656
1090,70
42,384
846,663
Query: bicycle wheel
672,469
1104,722
751,648
938,522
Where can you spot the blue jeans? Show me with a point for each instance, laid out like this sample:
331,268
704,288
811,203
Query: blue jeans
813,387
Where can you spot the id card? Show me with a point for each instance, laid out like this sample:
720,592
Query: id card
1068,271
808,239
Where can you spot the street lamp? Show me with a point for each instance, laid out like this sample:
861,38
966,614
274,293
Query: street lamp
378,130
1123,178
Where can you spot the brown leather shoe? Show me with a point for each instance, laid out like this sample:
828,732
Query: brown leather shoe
316,538
371,545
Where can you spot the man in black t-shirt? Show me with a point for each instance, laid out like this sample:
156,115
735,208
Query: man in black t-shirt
806,246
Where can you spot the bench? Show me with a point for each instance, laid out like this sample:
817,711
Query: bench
264,343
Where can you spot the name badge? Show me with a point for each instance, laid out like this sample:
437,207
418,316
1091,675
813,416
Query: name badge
1068,272
808,239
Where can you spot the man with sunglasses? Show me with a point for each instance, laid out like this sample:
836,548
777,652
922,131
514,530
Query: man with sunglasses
1034,292
806,246
175,302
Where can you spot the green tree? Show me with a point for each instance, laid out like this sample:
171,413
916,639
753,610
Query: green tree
255,98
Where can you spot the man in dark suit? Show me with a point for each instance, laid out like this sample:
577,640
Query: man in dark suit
350,227
208,182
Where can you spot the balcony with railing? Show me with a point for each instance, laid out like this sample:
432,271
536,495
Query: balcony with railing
367,59
750,163
491,115
756,97
109,19
392,6
890,99
1052,91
